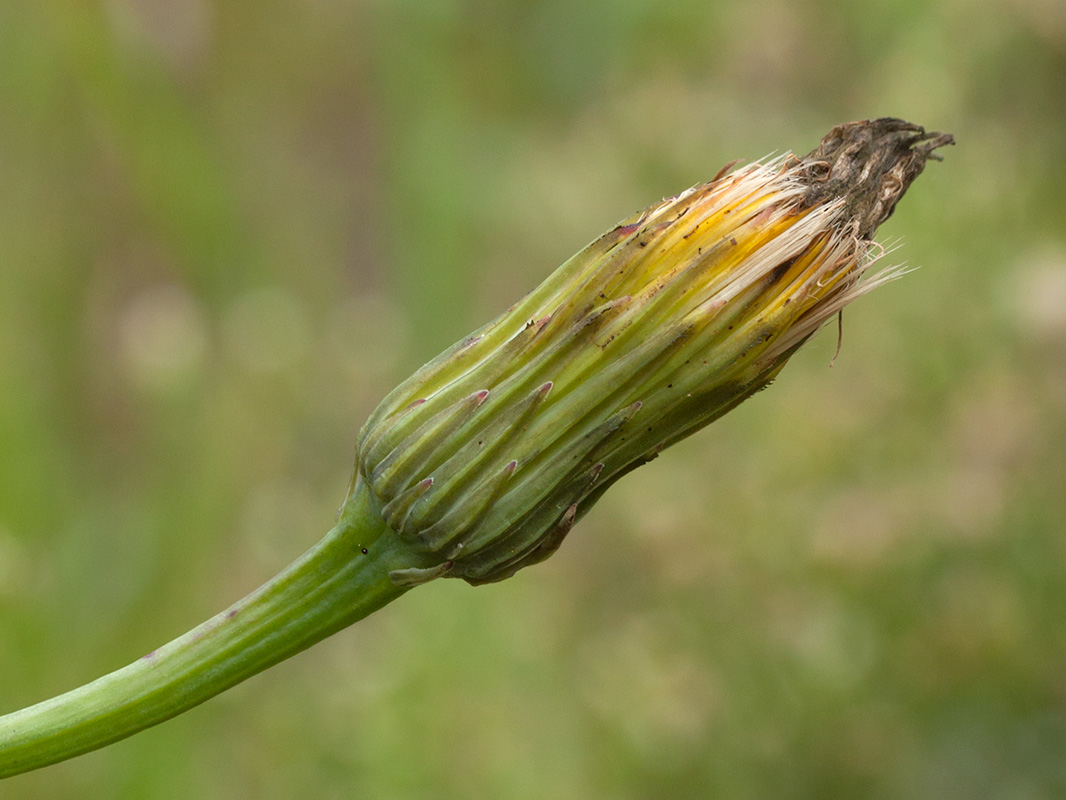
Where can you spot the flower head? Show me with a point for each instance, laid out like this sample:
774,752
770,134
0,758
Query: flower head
490,453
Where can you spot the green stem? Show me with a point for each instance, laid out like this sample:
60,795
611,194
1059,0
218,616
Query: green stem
342,579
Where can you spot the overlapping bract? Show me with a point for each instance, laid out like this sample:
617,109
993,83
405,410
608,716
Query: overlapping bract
490,453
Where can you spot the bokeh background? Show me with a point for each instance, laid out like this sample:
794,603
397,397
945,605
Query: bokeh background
227,228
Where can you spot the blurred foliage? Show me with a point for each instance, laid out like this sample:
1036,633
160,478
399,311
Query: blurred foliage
226,229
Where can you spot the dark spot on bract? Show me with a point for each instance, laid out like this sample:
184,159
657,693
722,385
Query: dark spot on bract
778,272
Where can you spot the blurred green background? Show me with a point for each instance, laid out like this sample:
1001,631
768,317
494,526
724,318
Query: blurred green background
226,229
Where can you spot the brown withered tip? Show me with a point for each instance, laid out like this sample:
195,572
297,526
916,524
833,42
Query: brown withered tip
869,165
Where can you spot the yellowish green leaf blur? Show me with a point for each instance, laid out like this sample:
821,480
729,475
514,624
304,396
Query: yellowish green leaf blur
227,230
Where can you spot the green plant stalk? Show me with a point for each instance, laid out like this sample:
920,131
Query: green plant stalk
342,579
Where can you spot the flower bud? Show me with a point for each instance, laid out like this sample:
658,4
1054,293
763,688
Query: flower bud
490,453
